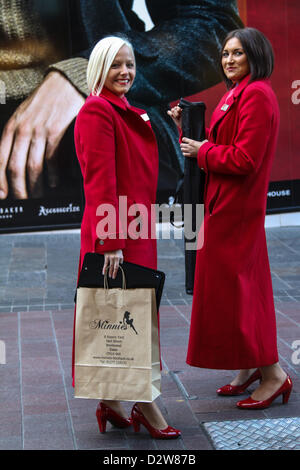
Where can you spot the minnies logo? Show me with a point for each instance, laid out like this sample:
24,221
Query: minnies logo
107,325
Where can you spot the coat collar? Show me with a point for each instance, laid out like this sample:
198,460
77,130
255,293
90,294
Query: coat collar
237,90
122,103
228,100
114,99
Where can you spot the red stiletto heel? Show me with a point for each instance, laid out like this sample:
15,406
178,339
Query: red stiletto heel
286,396
101,423
232,390
136,426
104,413
284,390
138,418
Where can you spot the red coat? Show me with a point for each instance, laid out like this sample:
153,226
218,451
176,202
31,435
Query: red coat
118,156
233,322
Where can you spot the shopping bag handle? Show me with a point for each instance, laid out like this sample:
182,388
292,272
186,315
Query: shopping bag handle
106,285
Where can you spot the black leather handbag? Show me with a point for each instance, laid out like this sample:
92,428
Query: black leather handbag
193,127
136,275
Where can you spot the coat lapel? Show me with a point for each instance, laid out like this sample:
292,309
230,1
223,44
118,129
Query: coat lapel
114,99
123,104
227,102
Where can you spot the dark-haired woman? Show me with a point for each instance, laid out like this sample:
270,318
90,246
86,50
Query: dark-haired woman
233,323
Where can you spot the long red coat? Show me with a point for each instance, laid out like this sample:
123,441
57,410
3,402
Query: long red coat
233,322
118,156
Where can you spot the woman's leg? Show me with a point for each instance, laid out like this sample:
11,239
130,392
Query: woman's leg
272,378
150,410
153,415
116,406
242,377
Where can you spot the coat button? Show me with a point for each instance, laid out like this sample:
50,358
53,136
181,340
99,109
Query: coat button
101,242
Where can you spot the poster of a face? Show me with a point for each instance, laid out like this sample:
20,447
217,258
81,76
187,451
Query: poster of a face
278,21
44,50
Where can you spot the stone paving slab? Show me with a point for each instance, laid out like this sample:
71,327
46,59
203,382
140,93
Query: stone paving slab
36,394
267,434
37,405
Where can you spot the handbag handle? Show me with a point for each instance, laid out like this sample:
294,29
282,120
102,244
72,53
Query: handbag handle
106,285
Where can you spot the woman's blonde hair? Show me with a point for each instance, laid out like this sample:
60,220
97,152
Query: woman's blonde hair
101,58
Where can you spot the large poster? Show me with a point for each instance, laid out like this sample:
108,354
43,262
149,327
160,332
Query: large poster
280,24
44,47
40,179
277,19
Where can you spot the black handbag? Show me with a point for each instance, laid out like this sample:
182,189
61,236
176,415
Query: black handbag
193,127
136,275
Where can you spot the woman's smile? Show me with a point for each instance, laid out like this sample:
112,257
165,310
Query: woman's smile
122,72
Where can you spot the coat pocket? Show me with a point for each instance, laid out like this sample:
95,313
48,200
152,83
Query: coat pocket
213,200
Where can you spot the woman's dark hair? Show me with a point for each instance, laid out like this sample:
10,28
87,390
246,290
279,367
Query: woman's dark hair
258,50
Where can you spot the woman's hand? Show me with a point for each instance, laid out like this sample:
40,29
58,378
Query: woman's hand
32,135
175,114
190,148
112,260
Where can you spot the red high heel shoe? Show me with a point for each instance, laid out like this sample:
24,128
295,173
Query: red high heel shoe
284,390
104,413
239,389
138,418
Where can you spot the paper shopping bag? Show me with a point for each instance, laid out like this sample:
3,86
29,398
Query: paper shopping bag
116,344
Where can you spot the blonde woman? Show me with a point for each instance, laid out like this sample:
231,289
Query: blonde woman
118,156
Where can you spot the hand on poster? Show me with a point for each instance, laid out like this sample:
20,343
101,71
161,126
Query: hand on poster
32,134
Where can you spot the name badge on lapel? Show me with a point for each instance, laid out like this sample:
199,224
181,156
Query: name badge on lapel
225,107
145,117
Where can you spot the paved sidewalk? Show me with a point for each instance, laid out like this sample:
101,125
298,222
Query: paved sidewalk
37,408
